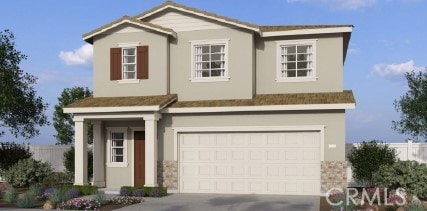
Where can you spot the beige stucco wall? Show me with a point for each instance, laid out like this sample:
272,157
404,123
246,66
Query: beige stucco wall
156,84
333,120
240,66
121,176
329,66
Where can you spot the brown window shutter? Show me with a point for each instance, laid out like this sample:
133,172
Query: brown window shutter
115,63
142,62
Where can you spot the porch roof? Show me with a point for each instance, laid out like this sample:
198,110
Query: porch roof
345,97
159,101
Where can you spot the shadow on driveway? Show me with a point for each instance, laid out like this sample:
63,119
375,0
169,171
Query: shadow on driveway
208,202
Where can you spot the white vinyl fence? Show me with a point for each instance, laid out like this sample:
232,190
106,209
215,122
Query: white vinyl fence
52,154
405,151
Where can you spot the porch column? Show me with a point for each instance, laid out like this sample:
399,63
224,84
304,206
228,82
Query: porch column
98,155
80,155
151,150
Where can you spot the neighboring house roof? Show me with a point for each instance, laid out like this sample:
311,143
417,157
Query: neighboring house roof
345,97
120,104
197,12
88,37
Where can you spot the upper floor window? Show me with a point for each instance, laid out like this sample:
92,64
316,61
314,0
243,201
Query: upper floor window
296,60
129,63
209,60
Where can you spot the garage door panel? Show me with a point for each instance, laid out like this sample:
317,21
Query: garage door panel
263,163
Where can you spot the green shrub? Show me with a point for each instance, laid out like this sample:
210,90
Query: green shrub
35,190
58,196
416,207
10,195
84,189
11,153
26,201
367,158
158,191
57,179
26,172
101,198
69,162
410,175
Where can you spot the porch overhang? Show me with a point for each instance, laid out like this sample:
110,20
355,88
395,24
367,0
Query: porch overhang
96,105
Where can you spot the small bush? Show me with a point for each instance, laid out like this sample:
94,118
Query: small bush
35,190
10,195
409,175
86,189
125,191
156,193
57,179
72,193
26,172
80,204
416,207
139,193
126,200
129,190
100,197
367,158
69,162
58,196
46,193
11,153
27,201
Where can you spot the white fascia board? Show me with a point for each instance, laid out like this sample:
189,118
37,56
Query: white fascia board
261,108
308,31
110,109
131,22
201,15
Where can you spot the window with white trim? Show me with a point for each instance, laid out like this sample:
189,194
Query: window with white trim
129,63
117,147
296,60
209,60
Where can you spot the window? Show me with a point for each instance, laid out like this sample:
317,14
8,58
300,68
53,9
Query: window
117,147
129,63
209,60
296,61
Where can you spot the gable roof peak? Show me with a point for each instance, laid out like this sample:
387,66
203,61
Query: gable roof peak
197,12
88,37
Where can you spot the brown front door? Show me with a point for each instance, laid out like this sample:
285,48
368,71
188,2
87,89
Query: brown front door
139,137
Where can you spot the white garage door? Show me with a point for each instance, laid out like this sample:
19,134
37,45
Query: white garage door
261,163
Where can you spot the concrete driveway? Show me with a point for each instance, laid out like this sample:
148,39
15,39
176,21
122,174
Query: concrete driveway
208,202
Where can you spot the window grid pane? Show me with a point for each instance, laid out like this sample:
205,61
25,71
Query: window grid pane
296,61
129,63
209,61
117,147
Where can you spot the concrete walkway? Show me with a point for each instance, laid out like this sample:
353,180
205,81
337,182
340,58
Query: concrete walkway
220,202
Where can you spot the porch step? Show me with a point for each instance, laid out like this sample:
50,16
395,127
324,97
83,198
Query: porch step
114,191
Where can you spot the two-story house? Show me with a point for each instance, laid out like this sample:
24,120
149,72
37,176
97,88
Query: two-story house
202,103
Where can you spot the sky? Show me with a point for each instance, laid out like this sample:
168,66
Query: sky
388,40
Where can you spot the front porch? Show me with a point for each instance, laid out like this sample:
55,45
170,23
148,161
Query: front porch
124,139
